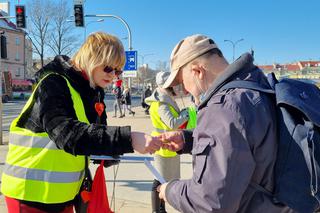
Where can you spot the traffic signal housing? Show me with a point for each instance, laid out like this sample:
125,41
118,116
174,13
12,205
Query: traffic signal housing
78,15
20,16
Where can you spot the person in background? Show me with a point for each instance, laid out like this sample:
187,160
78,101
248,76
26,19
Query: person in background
64,121
165,116
145,95
234,144
117,91
126,101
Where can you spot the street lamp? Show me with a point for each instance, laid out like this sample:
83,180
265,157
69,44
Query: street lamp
145,55
145,67
85,27
233,45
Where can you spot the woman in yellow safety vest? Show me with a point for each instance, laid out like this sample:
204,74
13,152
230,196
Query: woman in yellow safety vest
63,121
166,116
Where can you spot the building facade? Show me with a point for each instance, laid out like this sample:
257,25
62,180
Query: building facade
19,53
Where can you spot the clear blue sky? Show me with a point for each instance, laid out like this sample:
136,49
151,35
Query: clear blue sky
278,30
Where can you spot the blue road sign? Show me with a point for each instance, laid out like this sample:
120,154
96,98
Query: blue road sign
131,60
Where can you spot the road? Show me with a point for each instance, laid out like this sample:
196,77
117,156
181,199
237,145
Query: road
12,109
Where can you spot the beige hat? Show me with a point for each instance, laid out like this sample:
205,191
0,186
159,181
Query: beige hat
185,51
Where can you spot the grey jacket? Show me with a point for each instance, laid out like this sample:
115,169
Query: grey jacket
164,110
233,145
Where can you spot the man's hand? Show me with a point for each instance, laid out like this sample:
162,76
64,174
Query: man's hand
144,143
162,191
172,140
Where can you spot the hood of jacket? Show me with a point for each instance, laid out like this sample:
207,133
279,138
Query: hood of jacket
163,97
237,70
62,66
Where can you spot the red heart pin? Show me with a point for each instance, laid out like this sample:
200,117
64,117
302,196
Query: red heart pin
85,195
99,108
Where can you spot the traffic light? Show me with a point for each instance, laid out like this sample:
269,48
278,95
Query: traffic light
20,16
3,43
78,15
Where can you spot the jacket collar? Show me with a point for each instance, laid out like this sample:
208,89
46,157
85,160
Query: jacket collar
242,65
61,65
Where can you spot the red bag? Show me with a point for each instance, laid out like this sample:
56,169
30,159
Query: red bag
98,196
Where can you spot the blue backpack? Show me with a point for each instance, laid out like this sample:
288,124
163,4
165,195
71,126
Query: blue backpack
297,172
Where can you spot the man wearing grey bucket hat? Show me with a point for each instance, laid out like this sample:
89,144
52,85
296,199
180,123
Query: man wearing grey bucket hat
234,143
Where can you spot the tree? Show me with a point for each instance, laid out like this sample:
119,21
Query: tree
61,39
162,66
40,13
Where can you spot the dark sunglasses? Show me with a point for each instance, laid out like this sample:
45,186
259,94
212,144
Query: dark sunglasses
109,70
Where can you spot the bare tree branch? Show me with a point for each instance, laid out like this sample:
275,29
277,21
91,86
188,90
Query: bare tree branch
40,16
62,39
162,65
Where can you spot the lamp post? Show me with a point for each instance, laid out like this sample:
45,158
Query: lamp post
144,66
233,45
145,55
85,27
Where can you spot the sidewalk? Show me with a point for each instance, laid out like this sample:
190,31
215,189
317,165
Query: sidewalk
133,181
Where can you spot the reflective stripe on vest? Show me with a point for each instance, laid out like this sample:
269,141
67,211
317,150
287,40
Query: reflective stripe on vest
36,142
36,169
43,175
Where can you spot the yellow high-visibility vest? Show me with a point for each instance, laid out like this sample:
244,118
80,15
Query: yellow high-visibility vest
192,121
160,127
36,169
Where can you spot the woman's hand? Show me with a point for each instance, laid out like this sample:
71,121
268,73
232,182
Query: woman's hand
172,140
144,143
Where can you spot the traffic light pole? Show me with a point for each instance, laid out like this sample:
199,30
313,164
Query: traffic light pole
1,135
1,106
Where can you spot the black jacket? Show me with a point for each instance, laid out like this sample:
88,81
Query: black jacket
53,112
117,92
127,98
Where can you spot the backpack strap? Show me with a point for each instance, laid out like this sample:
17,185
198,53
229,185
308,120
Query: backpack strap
257,87
308,148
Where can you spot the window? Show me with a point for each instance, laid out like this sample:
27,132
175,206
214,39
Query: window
18,72
17,56
17,41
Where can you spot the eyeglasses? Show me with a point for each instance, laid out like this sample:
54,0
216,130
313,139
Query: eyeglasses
110,70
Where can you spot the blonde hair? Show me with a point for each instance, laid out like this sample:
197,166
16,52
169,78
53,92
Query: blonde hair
100,49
